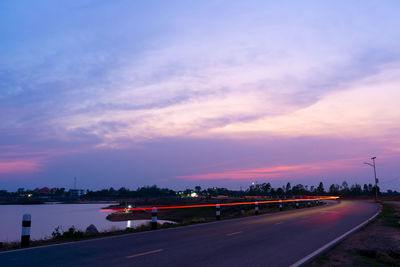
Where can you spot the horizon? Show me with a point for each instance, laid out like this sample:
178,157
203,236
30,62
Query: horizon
308,187
178,94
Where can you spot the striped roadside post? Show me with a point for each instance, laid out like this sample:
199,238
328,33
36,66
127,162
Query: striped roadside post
26,230
154,218
218,212
256,207
280,205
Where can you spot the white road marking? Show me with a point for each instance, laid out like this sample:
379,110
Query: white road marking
144,253
234,233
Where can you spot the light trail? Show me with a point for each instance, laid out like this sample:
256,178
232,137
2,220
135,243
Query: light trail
225,204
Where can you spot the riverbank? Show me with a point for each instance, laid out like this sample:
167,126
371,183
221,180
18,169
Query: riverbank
377,244
76,235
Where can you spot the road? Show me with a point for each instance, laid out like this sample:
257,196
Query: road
278,239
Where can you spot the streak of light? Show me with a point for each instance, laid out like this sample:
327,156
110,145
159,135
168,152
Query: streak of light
224,204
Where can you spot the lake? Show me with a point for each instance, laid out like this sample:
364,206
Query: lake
46,217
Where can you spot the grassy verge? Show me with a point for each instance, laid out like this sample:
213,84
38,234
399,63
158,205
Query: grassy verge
377,244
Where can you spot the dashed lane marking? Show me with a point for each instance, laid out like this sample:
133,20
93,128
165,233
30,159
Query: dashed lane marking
144,253
234,233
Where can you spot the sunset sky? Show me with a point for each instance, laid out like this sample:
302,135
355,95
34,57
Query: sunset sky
210,93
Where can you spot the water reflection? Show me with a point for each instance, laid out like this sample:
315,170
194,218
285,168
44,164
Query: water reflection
45,218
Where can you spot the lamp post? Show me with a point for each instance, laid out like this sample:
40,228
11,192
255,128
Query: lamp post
376,180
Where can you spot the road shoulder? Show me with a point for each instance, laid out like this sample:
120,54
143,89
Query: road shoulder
377,244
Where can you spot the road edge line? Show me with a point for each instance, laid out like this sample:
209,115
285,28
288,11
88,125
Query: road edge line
327,246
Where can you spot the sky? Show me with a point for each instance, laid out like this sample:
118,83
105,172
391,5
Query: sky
210,93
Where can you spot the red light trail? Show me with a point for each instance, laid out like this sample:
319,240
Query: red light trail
224,204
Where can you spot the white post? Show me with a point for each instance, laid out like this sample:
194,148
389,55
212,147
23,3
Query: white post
256,207
280,205
218,212
26,230
154,218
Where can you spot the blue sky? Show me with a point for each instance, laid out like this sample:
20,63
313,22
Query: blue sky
179,93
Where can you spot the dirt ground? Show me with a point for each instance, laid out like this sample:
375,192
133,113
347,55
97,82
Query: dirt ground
377,244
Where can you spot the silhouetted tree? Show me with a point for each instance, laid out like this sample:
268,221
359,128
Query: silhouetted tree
288,188
334,189
356,189
320,189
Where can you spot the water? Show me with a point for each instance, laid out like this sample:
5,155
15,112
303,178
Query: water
46,217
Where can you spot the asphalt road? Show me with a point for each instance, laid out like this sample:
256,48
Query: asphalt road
278,239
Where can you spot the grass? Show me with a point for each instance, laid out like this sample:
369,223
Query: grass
389,216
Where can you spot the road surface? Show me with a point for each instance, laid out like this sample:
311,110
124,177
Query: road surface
278,239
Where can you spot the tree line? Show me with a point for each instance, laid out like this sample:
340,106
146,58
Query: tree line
261,189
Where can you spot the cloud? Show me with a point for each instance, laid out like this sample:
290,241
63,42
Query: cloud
366,108
279,172
13,166
188,78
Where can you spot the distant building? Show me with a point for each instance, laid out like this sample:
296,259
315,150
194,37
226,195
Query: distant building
76,193
43,191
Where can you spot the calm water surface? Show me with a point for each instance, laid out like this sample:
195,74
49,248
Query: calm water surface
46,217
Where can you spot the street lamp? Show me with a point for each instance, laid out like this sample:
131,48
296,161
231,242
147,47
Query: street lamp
376,179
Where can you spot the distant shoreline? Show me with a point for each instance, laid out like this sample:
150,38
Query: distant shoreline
37,202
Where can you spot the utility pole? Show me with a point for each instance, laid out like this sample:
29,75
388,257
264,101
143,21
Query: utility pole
376,179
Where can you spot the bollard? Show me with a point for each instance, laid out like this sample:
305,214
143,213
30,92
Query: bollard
26,230
297,204
154,218
309,203
218,212
280,205
256,207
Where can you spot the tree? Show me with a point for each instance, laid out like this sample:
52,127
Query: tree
320,188
356,189
344,188
280,192
288,188
312,189
266,188
197,188
334,189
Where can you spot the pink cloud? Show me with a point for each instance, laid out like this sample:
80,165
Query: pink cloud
17,159
20,165
281,171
